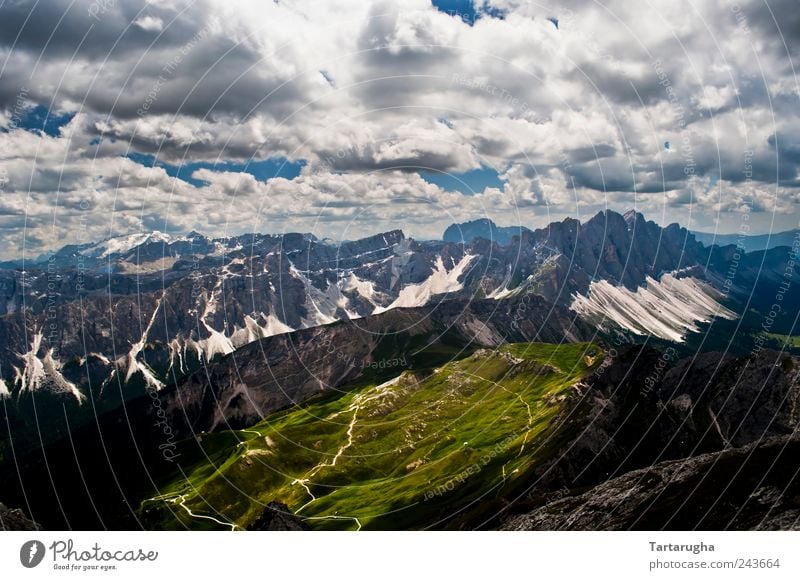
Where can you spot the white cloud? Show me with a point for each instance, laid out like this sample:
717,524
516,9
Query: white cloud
573,118
150,23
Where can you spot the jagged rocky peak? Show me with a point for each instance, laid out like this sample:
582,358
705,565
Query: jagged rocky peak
482,228
374,242
617,224
632,216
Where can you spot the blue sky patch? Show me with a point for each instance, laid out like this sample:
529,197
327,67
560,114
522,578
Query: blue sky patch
261,170
39,118
468,183
466,10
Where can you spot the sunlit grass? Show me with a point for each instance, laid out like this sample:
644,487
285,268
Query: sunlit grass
399,455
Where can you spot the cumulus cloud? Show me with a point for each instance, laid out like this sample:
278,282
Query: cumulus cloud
150,23
688,112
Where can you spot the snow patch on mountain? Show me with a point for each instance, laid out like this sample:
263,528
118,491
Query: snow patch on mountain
216,343
250,333
38,372
133,365
668,308
32,374
320,306
503,290
123,244
177,349
253,331
275,326
441,281
52,369
364,288
402,256
99,356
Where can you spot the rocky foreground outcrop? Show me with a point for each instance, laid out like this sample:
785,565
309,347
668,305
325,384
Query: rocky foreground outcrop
277,517
750,488
15,520
707,442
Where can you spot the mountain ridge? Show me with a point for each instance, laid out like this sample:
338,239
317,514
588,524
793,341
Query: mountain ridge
141,324
124,246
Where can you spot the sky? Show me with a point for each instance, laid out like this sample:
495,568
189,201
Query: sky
345,118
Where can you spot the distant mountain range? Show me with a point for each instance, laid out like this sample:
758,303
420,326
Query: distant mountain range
485,228
482,228
750,243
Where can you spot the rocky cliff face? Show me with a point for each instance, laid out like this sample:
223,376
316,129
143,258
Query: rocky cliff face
666,434
622,249
747,488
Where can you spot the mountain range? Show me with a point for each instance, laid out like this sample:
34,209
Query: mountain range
488,230
749,243
151,346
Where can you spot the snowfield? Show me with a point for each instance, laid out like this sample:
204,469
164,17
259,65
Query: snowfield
668,308
441,281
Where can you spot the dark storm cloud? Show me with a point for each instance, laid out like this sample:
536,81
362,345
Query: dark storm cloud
597,151
603,175
776,22
97,28
486,146
702,158
619,88
380,89
787,146
784,165
619,174
217,76
420,158
185,69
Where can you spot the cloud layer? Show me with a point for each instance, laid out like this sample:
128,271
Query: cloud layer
686,111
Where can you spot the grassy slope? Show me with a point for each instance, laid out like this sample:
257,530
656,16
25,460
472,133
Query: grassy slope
399,455
785,340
